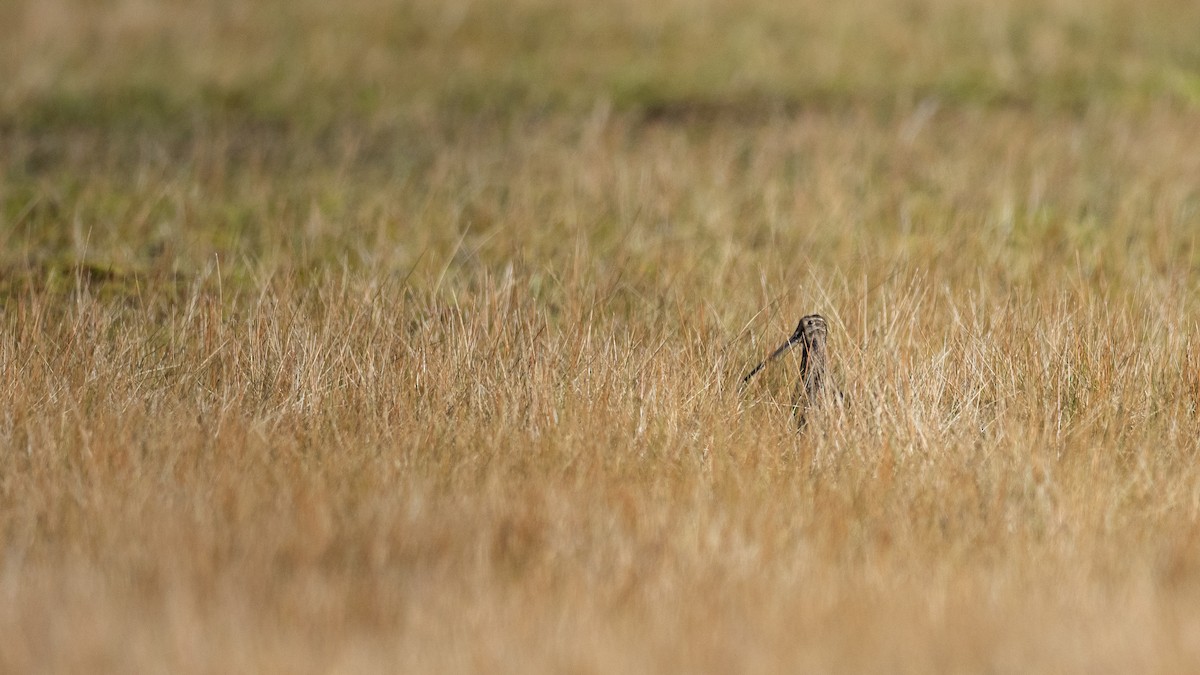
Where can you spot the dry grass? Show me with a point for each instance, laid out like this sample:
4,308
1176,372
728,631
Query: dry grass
407,337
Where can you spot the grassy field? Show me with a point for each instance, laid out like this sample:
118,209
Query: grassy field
405,336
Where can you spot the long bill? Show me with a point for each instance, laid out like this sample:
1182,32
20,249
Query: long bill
774,355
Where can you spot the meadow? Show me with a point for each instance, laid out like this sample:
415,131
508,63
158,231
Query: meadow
374,337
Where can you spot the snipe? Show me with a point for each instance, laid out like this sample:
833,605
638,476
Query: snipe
814,390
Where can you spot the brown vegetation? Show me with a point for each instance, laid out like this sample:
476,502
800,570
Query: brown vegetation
408,337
